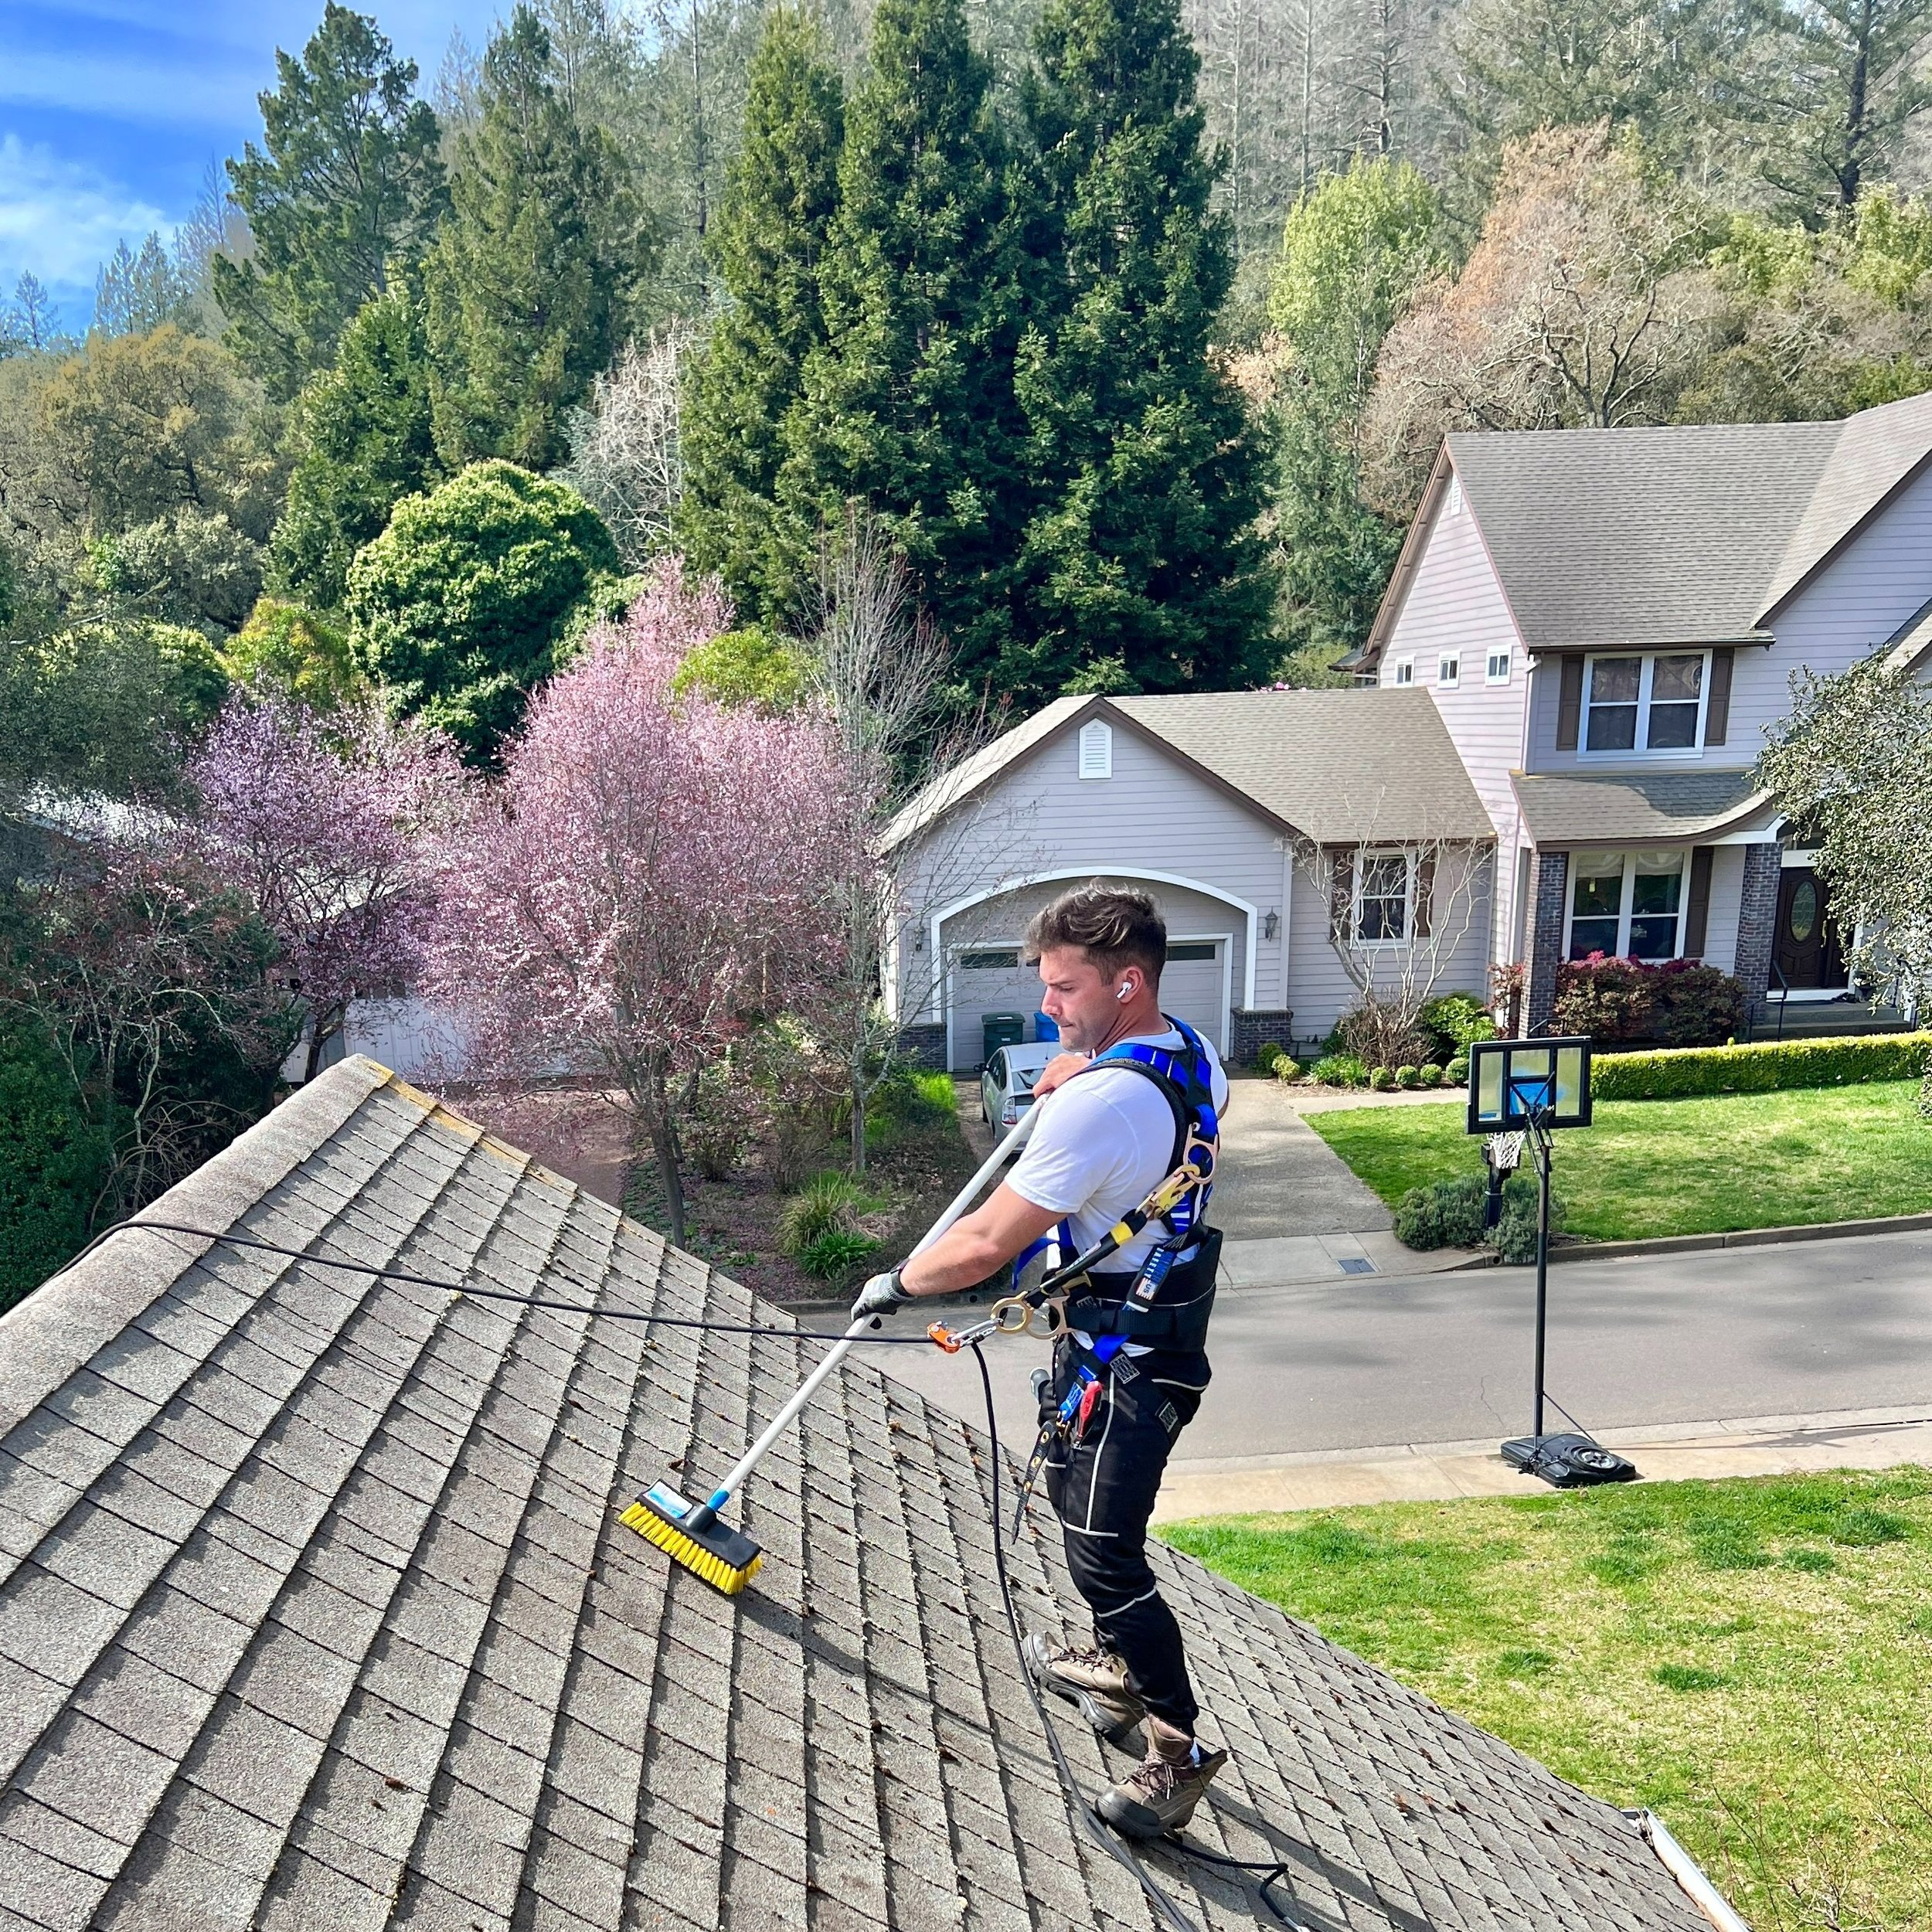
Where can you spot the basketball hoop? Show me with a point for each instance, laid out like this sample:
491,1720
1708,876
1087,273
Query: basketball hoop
1504,1152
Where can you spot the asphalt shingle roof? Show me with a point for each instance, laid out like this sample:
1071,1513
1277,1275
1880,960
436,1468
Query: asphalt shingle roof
1335,766
1634,808
1675,535
315,1612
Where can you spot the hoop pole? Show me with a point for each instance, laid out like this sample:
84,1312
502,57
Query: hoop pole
1541,1138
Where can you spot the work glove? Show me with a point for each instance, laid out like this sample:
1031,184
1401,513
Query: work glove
881,1295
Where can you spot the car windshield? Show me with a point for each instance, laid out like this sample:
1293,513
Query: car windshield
1024,1077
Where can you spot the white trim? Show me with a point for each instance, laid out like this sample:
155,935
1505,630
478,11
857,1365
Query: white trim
1798,858
1411,878
1449,670
1400,667
1095,758
934,1010
1509,656
1647,661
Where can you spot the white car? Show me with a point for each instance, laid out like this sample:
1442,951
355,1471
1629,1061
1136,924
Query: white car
1006,1087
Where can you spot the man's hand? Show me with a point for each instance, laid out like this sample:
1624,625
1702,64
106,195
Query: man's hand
1060,1069
883,1294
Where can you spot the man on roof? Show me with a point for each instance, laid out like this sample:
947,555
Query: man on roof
1136,1096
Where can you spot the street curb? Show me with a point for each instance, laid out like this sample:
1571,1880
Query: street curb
1694,1243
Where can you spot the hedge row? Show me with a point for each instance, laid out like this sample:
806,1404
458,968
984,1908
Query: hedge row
1673,1073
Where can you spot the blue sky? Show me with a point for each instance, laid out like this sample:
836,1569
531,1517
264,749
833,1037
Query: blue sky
111,109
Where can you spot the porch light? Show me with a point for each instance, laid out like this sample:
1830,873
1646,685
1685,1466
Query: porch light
1271,924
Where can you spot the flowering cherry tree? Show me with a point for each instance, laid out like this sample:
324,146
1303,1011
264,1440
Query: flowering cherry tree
650,872
326,828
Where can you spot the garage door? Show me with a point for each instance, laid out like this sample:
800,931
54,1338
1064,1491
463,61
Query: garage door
988,979
1191,985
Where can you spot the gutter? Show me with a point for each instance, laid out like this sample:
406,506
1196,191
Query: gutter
1684,1868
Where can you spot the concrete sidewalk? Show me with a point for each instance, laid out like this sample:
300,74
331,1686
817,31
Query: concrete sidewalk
1443,1472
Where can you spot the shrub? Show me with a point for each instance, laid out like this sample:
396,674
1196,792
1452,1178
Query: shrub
1514,1238
1266,1054
747,667
1609,999
1286,1069
1453,1020
1456,1073
458,606
297,652
909,1100
1768,1066
835,1253
1381,1078
1431,1075
720,1122
827,1204
1378,1033
54,1165
1697,1005
1444,1214
1408,1077
1338,1070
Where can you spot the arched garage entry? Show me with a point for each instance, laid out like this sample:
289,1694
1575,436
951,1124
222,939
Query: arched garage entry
1211,935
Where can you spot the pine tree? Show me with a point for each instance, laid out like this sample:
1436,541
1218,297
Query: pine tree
1144,570
134,293
908,404
351,186
363,439
769,239
530,283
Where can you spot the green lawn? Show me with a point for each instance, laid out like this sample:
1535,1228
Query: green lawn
1682,1167
1752,1659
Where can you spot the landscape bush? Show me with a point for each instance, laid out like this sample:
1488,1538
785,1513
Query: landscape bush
1382,1079
1408,1077
1456,1073
1449,1214
1266,1054
1679,1002
1452,1021
1340,1070
1431,1075
911,1100
1764,1067
1286,1070
835,1253
829,1203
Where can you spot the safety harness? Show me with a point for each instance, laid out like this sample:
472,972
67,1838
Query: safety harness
1166,1301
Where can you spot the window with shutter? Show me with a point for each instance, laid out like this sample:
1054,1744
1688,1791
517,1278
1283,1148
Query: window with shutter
1717,709
1569,704
1096,749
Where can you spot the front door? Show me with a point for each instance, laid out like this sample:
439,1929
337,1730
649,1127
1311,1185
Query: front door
1807,951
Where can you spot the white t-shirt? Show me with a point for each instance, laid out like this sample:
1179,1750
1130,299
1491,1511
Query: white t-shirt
1103,1143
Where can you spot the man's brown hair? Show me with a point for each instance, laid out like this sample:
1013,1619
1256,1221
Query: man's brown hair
1115,926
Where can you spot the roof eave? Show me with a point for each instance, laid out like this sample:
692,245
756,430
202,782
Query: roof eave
1833,550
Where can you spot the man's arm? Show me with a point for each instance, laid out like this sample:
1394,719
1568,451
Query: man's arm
1005,1226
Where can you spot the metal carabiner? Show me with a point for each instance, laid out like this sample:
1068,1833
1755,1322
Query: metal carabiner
1017,1314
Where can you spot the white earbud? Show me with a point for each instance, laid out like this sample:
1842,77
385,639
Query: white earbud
1125,992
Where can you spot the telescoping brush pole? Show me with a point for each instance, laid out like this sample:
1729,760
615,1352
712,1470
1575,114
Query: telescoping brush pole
690,1533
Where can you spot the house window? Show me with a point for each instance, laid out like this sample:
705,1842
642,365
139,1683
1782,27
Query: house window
1496,670
1405,671
1382,899
1449,669
1627,904
1096,751
1181,951
991,959
1654,702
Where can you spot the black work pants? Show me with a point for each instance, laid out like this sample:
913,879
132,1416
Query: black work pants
1102,1487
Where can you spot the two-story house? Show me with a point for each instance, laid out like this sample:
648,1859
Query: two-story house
1608,620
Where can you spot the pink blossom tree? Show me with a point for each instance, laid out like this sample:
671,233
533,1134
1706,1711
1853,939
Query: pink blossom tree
650,874
327,828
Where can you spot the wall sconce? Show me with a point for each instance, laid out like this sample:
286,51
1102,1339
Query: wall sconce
1271,924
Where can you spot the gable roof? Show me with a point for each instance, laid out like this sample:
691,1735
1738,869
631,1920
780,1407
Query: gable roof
1693,534
314,1610
1334,766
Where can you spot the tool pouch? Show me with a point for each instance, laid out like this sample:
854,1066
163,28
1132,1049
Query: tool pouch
1179,1319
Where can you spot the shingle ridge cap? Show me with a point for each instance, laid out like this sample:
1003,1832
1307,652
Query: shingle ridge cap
60,1327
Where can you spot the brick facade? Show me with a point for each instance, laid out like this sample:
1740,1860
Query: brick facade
1757,922
1548,875
1250,1027
924,1044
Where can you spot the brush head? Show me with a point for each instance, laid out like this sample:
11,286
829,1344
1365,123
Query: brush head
725,1558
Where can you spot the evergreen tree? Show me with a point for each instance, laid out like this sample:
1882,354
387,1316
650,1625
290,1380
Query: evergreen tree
530,284
1144,570
351,184
134,293
363,440
1353,253
908,404
768,240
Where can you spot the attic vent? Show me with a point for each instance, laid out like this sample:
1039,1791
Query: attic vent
1096,751
1452,503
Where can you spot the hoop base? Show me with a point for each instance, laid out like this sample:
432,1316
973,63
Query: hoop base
1567,1461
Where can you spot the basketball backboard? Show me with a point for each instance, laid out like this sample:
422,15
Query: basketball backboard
1517,1083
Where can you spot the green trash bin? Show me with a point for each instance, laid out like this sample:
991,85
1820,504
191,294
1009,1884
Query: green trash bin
1000,1029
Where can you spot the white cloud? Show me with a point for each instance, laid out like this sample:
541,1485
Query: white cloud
61,218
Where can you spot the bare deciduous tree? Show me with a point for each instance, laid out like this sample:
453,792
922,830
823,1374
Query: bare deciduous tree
1400,908
626,456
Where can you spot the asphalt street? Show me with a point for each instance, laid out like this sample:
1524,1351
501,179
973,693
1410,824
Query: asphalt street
1808,1327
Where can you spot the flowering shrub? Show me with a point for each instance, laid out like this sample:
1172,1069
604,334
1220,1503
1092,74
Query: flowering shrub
1679,1001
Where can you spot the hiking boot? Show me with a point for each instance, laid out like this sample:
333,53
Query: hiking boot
1160,1794
1095,1680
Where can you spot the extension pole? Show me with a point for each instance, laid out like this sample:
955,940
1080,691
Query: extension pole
702,1517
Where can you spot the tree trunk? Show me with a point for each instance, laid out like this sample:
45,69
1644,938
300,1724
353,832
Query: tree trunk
857,1126
664,1146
